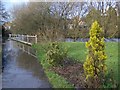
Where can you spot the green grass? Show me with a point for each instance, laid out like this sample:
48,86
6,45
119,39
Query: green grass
112,60
78,51
57,81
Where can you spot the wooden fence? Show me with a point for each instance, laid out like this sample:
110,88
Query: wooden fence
23,41
23,38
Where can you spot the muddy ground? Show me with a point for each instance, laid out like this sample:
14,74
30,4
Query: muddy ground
73,72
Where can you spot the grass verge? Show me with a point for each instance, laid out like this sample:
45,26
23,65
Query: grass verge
56,80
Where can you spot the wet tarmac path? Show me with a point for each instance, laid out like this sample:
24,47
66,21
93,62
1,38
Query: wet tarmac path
21,70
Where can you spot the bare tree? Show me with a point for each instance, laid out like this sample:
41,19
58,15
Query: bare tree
4,16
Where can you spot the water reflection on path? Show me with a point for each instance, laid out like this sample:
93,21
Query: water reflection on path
21,70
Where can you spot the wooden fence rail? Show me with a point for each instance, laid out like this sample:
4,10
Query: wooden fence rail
23,37
21,40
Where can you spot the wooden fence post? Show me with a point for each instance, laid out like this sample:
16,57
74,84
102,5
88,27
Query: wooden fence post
35,38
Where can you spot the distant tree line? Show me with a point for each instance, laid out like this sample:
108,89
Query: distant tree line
50,20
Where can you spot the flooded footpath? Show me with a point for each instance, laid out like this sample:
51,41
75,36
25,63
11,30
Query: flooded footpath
20,69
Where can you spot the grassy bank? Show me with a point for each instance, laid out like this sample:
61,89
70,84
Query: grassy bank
78,51
56,80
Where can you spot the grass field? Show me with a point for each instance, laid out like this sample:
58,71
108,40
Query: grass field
78,51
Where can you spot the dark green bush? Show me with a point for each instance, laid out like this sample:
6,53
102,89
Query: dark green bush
56,53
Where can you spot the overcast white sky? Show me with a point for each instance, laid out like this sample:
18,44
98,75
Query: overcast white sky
11,3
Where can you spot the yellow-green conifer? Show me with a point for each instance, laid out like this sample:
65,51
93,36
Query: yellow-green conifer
94,66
